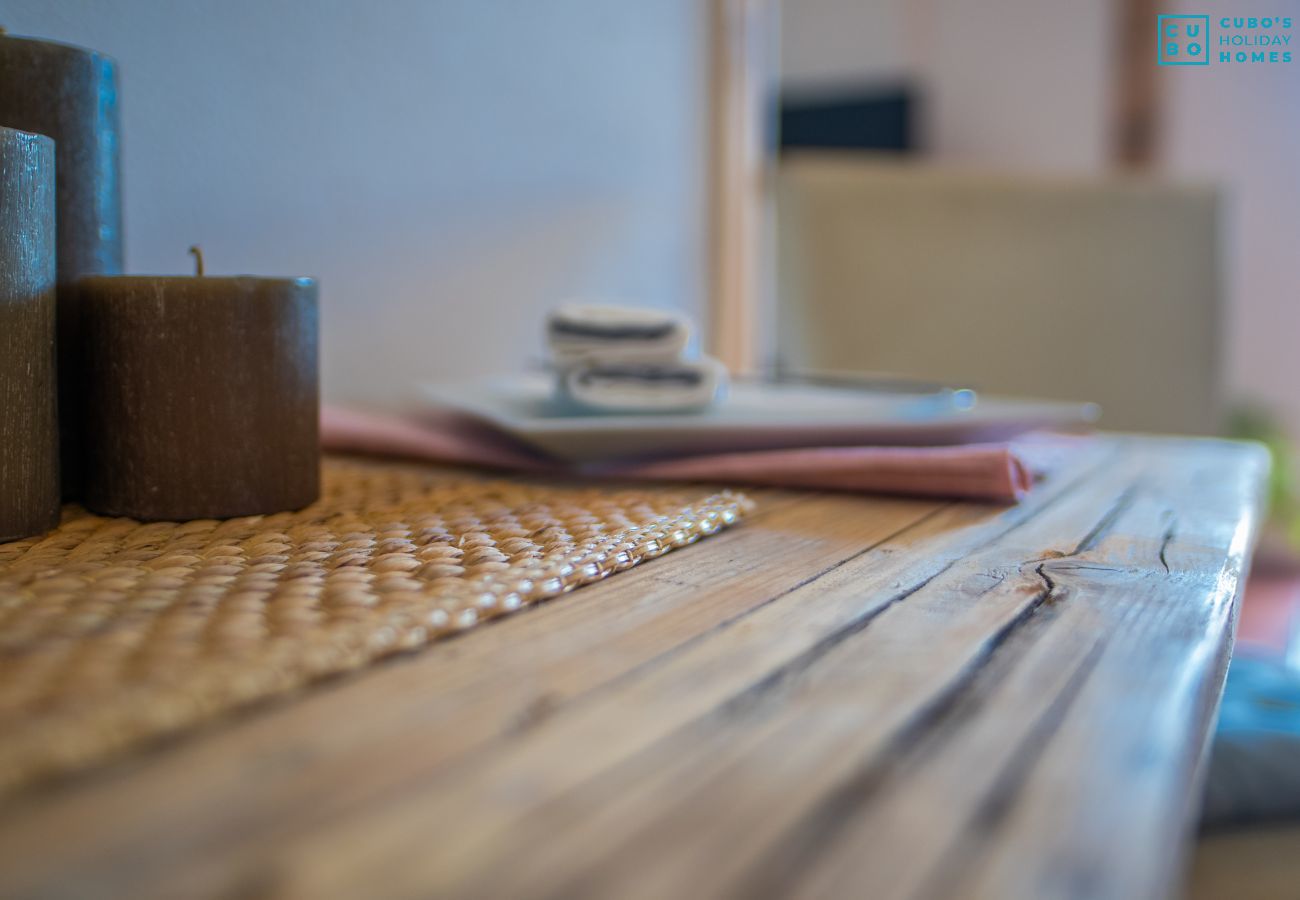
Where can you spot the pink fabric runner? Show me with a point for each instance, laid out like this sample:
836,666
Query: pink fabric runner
997,472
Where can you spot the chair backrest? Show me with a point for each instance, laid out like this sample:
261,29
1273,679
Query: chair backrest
1102,290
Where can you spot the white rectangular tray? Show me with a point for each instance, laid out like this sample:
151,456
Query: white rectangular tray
753,416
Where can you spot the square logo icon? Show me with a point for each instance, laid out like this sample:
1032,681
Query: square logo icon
1183,40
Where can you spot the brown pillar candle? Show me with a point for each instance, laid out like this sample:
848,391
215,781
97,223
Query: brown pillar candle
29,432
202,395
70,95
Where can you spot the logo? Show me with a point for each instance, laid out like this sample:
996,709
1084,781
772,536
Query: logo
1183,40
1186,40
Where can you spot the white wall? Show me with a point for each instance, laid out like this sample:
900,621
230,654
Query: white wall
447,168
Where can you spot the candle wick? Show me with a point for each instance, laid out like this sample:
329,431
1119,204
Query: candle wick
198,260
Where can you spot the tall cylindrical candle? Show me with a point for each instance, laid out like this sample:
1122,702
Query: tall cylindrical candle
29,434
202,396
70,95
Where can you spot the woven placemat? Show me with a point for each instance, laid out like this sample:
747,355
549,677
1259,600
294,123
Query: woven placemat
113,632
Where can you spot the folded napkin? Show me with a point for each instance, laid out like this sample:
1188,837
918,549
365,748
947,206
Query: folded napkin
1000,472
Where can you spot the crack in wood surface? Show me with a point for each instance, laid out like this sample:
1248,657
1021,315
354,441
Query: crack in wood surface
765,688
1107,522
818,650
781,872
808,839
990,814
1171,532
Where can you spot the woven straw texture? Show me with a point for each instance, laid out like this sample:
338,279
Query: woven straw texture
113,632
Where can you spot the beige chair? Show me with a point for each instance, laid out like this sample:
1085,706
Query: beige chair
1102,290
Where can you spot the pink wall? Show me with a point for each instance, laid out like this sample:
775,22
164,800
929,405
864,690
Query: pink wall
1026,85
1240,125
1007,83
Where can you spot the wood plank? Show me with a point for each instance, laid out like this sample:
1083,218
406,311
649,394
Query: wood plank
711,799
1167,583
919,803
1136,98
742,82
708,682
413,714
698,810
844,695
948,822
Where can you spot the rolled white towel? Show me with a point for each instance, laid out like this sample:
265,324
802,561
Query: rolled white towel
579,333
680,386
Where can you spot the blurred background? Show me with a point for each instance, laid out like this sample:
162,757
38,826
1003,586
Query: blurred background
1028,100
1010,194
452,169
448,169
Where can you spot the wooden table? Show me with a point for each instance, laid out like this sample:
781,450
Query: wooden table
844,696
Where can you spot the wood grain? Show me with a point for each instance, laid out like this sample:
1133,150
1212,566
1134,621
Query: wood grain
742,50
29,435
1135,94
845,696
